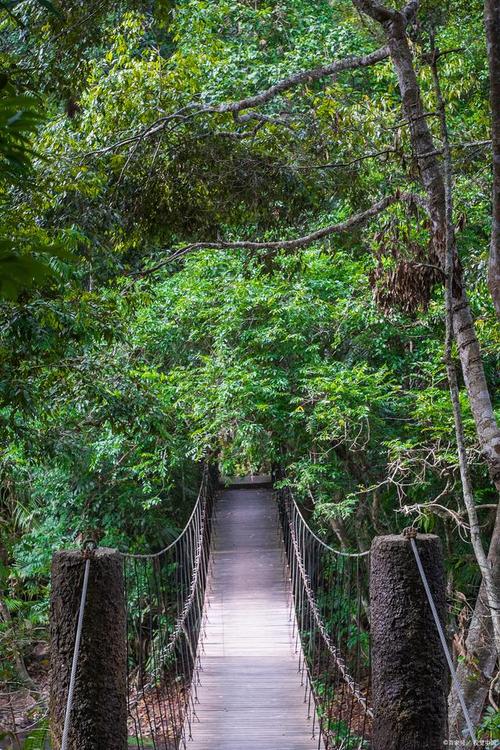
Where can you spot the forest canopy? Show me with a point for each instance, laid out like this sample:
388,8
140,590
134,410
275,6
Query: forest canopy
256,232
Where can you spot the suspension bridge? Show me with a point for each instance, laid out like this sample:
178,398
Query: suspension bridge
250,638
247,632
250,695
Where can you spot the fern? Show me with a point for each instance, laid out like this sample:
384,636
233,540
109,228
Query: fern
38,739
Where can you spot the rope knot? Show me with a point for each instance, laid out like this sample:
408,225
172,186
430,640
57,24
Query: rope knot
410,532
89,546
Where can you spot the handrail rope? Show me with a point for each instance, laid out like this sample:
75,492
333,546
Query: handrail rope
76,654
444,644
151,555
324,544
179,629
181,620
350,682
180,623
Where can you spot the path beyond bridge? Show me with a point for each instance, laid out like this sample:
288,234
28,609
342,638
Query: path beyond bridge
250,697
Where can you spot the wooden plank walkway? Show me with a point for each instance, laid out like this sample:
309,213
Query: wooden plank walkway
250,696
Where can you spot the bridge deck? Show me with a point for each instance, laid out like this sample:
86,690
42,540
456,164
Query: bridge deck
250,697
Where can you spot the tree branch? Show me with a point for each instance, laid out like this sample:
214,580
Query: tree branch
343,164
382,14
390,150
249,116
377,11
294,244
410,10
352,62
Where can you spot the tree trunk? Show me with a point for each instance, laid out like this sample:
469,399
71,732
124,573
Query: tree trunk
492,23
476,671
394,24
432,179
468,493
475,382
99,713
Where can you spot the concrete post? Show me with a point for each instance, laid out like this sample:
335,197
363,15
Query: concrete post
409,671
99,714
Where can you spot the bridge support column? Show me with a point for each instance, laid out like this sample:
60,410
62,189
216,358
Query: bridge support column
99,713
409,671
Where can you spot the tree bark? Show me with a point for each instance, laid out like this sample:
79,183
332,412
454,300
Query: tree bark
491,590
492,23
475,382
99,714
477,669
394,24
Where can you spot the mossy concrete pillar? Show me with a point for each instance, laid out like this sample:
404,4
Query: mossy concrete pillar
99,713
409,671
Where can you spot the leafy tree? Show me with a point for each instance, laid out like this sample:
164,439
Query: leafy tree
222,234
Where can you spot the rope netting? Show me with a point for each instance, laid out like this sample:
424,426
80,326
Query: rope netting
329,611
165,594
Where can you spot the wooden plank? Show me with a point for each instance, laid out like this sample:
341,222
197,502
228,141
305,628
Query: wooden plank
250,696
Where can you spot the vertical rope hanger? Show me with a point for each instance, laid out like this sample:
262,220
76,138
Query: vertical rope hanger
163,658
327,620
326,596
165,594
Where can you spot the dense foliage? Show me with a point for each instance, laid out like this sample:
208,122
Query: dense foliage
118,376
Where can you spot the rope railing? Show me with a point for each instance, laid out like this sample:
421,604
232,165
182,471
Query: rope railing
165,595
444,644
329,590
166,602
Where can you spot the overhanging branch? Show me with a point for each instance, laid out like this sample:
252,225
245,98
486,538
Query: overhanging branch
294,244
190,111
383,14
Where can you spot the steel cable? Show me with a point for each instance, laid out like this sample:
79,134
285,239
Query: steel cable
165,596
331,630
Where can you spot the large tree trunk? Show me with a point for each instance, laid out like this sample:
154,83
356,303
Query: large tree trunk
394,24
477,669
492,23
432,179
475,381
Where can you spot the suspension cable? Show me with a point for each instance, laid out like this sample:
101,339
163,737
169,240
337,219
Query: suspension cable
76,654
329,617
165,595
320,541
444,644
341,665
151,555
